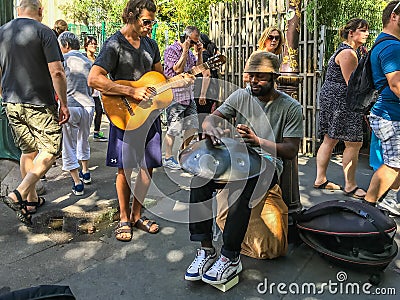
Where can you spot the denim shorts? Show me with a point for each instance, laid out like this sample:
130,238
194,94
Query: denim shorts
181,117
388,132
34,127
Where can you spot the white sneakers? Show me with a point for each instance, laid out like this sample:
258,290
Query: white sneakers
205,267
222,270
201,263
390,203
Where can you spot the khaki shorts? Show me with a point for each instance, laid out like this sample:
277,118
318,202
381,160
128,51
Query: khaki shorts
35,128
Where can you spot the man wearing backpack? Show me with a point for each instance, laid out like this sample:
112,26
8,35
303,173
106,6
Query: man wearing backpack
385,114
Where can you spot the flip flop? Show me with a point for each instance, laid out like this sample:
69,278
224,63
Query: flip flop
36,204
325,186
352,193
19,207
119,230
145,226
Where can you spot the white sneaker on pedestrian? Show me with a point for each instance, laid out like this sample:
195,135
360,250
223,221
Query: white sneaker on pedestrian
201,263
171,163
390,204
222,270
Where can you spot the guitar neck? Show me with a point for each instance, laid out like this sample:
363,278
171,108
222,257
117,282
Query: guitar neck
198,69
171,81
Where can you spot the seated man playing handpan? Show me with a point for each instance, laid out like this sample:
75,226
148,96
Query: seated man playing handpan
267,120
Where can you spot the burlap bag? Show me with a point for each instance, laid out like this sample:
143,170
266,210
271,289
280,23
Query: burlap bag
266,235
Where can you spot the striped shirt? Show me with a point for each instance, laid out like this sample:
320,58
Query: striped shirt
171,56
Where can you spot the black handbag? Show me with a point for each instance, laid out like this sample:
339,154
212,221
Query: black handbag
350,233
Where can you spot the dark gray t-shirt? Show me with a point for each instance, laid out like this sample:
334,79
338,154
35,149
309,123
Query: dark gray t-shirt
26,48
274,121
124,62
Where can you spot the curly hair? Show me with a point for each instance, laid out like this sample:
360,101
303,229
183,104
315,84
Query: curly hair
134,8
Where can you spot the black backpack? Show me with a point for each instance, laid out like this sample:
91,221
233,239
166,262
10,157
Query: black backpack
361,93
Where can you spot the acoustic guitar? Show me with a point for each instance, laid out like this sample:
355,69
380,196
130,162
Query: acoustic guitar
127,113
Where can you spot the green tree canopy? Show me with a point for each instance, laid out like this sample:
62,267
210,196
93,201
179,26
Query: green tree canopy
335,13
91,12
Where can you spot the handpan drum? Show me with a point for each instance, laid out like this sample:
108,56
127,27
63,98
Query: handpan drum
229,161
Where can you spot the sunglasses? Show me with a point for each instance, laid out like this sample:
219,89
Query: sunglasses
147,22
274,37
396,7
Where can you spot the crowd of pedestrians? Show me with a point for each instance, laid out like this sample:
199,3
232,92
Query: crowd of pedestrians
52,92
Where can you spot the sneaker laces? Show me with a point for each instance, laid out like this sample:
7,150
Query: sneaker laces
222,263
172,159
199,259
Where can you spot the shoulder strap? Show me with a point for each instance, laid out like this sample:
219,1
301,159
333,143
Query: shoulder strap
386,38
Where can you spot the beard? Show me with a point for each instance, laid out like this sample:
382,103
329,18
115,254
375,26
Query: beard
261,90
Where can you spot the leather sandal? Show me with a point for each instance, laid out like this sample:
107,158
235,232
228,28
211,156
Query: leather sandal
145,224
123,234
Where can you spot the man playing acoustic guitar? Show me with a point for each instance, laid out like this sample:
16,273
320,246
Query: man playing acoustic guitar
127,55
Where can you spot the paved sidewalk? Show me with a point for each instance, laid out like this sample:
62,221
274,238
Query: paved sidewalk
152,266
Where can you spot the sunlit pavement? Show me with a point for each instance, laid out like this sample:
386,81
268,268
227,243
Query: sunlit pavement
96,266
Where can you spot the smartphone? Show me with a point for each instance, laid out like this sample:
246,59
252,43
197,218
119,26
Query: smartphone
182,38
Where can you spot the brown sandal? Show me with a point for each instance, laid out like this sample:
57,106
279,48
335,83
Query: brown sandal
145,224
353,194
119,231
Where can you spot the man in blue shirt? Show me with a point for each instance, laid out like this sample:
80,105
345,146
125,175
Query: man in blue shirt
385,114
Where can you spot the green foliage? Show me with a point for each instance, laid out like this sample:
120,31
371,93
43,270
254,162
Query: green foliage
173,16
93,12
335,13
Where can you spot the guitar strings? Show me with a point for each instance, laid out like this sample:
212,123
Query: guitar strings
163,86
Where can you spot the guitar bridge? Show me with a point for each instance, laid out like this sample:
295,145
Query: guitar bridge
128,106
